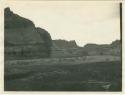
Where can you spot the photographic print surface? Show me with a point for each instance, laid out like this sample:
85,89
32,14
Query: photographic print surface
62,46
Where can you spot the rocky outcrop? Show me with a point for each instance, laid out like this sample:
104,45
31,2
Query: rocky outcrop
23,39
63,44
106,49
46,38
116,44
68,49
63,48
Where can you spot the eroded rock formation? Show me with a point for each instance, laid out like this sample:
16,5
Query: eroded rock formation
23,39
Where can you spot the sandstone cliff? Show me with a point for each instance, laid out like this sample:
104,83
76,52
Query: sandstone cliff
106,49
23,39
62,48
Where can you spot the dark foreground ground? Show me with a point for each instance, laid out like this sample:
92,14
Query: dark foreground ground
97,76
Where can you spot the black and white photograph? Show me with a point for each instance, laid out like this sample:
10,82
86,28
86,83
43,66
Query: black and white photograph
62,46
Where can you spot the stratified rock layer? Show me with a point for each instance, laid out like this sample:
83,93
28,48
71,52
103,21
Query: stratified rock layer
23,40
62,48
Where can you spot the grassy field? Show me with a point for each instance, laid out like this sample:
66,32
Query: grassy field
44,76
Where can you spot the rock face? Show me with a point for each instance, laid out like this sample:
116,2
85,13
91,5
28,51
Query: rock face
64,44
108,49
23,39
62,48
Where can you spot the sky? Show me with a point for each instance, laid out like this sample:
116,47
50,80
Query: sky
84,22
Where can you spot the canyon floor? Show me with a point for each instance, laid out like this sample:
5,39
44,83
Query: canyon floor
89,73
